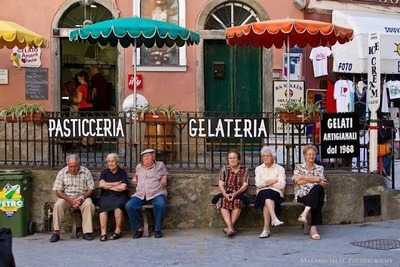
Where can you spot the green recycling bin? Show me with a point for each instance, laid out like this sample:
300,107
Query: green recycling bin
15,200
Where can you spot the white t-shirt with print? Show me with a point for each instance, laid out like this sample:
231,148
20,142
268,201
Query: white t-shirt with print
393,88
342,93
319,56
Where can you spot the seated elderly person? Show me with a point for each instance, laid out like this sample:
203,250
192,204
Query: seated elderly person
113,183
73,186
270,182
310,182
151,180
233,182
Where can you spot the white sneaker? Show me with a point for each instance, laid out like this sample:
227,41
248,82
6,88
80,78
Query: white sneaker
276,222
264,234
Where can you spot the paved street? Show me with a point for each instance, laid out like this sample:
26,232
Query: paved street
287,247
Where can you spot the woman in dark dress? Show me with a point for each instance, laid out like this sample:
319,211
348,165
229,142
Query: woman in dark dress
113,184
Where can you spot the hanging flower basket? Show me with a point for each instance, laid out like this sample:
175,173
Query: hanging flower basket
298,118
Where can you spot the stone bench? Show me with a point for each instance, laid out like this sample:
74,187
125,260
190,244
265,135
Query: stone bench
77,220
290,209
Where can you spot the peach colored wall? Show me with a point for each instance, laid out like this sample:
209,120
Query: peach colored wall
178,88
26,13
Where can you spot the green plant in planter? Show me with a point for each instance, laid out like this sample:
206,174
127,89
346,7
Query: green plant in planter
169,112
298,107
21,110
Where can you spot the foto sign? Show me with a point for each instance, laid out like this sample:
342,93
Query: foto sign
228,127
339,135
374,72
139,81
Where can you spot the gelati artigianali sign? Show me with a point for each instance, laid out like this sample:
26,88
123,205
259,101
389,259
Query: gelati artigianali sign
340,135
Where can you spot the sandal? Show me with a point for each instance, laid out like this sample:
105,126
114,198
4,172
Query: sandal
230,234
115,236
103,238
315,237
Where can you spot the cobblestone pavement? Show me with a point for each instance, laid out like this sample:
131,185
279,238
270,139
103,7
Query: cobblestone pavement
286,247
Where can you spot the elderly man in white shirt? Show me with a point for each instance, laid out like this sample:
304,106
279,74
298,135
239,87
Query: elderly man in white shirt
270,182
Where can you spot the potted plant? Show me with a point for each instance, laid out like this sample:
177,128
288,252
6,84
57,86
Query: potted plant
160,126
23,112
297,113
158,114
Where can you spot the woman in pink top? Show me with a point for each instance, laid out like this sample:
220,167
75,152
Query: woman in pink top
82,92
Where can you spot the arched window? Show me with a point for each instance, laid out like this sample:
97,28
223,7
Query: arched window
77,14
230,14
164,58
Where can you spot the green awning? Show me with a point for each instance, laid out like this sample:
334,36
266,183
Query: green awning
135,31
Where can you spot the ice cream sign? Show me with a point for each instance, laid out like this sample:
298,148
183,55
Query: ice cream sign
28,57
10,199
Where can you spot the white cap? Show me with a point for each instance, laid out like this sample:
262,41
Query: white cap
146,151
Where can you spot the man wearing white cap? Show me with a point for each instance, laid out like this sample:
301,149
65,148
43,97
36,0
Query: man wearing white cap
151,181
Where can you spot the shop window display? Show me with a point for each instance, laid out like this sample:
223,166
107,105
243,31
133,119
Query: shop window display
164,10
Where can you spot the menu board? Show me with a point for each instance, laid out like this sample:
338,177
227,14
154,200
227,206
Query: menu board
36,83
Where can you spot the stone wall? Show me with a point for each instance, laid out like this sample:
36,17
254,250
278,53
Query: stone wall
190,194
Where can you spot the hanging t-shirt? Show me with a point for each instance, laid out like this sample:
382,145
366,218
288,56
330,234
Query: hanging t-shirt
343,93
394,89
319,56
385,101
360,99
330,100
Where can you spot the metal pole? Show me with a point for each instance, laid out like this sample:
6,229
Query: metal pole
134,115
287,47
288,65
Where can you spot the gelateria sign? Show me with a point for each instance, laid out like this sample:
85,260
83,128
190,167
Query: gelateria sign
10,199
86,127
228,127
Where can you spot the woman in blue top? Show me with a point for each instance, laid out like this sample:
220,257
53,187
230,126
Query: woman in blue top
113,184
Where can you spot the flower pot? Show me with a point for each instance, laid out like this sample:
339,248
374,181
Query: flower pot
150,117
298,118
36,117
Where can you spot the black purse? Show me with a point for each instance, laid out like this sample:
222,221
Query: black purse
216,198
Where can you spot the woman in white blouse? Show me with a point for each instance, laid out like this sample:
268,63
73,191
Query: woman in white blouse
310,182
270,182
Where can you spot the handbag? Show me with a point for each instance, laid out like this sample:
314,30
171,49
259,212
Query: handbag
384,149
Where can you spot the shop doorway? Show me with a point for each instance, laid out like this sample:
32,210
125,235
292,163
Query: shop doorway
99,63
232,75
232,78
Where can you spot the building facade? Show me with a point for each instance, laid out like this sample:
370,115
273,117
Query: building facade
207,77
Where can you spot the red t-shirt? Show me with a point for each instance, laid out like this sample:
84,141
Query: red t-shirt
330,100
84,90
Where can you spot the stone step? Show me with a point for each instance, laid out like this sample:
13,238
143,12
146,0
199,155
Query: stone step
253,218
